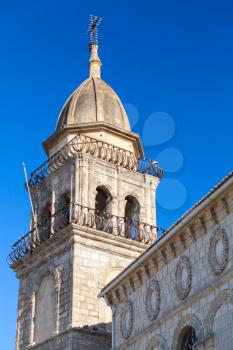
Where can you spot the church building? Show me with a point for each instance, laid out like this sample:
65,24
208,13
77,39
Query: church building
95,271
93,213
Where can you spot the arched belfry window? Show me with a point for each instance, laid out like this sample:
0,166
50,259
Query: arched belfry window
103,201
45,221
188,339
62,216
64,199
132,213
103,209
45,309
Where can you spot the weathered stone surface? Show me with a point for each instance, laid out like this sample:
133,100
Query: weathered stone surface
195,281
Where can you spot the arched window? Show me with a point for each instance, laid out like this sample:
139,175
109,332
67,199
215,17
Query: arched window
44,228
62,216
188,339
103,208
103,201
132,212
45,309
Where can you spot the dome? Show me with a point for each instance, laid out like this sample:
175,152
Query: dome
93,101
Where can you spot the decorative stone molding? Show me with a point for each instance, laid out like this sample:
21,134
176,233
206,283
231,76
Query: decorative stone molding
126,319
163,256
157,342
173,249
147,270
191,232
132,285
217,266
183,287
153,291
50,270
139,275
225,205
56,274
226,296
182,240
201,222
187,321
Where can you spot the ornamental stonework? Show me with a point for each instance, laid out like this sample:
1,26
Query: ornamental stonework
127,319
218,251
153,300
183,277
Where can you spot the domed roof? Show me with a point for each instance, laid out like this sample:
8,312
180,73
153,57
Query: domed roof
93,101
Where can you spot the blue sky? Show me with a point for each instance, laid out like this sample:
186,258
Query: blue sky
164,58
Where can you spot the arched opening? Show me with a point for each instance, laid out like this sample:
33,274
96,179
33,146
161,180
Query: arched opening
62,216
188,339
45,221
45,309
103,209
132,212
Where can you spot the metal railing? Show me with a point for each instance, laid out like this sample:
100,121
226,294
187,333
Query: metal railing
84,216
81,144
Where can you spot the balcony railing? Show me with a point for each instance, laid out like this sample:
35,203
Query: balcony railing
81,215
81,144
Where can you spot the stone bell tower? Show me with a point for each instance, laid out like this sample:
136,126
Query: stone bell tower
94,213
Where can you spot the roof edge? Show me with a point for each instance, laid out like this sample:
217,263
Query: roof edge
85,127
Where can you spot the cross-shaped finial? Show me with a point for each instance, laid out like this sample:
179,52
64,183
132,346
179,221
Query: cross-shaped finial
93,29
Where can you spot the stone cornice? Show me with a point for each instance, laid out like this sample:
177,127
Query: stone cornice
87,127
66,238
86,331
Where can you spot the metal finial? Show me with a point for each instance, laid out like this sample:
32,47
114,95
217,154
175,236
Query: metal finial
93,29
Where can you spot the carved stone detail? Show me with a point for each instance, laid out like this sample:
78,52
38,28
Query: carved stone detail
190,320
183,287
153,291
217,266
225,296
127,320
157,342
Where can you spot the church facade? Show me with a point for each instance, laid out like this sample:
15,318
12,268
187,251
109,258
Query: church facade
178,295
95,272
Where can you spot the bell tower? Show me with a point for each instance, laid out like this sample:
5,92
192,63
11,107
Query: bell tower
94,213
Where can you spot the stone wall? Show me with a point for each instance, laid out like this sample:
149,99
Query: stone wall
80,339
80,261
188,282
60,267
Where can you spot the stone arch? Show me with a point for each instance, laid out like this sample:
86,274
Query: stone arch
225,296
190,320
51,270
103,200
132,216
103,209
64,197
105,186
131,194
157,341
37,282
62,209
45,309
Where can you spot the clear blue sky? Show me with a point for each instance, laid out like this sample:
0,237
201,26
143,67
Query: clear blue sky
161,56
